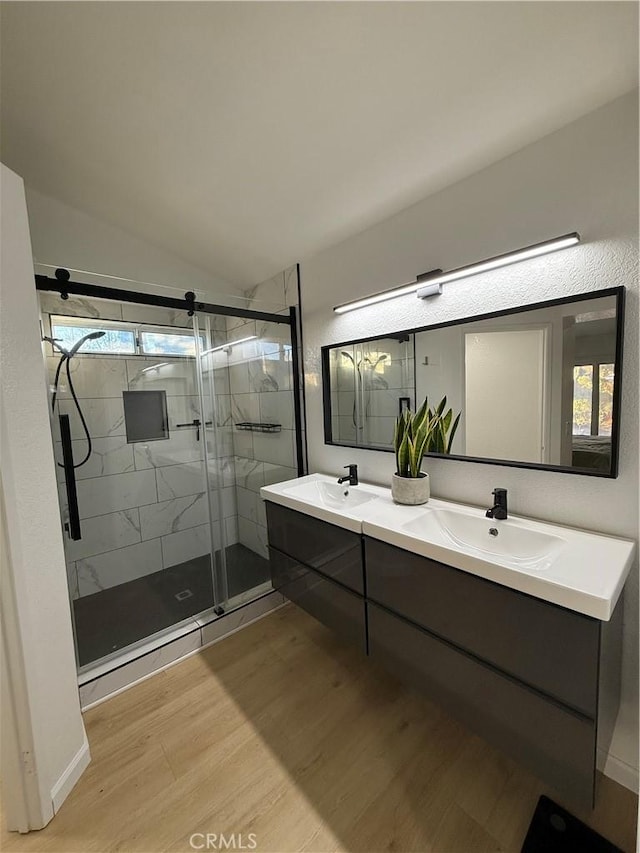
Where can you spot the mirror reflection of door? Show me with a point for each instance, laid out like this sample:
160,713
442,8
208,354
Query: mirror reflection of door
505,394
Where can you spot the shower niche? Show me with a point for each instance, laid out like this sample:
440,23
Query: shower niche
162,484
145,415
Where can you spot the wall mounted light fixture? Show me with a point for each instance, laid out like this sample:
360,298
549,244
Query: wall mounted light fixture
427,284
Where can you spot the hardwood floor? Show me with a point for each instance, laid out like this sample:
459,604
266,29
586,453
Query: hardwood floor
283,732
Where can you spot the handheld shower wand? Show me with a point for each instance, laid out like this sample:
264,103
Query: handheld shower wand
65,358
92,336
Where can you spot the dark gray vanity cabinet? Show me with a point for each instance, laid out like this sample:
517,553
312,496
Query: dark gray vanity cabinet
334,552
319,567
553,649
554,742
539,681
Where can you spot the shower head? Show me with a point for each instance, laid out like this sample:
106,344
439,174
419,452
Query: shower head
92,336
347,355
373,364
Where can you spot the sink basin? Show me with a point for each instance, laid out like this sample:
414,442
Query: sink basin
503,540
580,570
331,495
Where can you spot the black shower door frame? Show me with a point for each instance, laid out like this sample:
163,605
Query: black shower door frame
65,287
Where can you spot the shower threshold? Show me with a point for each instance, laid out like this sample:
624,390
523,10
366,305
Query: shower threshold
113,619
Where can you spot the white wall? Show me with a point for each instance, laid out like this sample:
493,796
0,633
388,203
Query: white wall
34,588
66,237
583,177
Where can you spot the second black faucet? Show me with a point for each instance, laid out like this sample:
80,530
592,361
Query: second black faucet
352,477
499,508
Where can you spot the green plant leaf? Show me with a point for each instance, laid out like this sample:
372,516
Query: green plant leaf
404,456
441,406
398,435
421,415
453,432
420,449
439,438
446,421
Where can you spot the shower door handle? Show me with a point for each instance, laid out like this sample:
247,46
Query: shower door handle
73,525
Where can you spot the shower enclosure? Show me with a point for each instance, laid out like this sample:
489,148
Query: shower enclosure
166,420
371,381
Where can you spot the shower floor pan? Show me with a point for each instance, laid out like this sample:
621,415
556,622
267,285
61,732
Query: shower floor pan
114,618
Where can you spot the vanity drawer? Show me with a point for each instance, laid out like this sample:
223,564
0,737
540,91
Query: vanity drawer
555,743
553,649
334,552
330,603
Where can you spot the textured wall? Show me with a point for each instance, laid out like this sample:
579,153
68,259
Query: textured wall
65,236
583,177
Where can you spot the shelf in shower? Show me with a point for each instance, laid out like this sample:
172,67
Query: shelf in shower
255,427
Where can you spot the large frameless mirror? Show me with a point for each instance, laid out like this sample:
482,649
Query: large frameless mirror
537,386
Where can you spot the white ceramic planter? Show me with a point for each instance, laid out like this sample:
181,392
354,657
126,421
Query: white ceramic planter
410,491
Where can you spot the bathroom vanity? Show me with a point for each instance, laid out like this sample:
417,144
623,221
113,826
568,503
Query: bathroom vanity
520,639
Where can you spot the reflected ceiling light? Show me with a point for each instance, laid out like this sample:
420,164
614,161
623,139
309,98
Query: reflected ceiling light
230,344
155,367
426,284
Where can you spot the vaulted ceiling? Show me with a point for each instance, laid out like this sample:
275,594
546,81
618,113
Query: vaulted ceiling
246,136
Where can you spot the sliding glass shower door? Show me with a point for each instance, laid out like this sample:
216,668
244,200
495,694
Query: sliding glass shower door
165,424
247,391
127,407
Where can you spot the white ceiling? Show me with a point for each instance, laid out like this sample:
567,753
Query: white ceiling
246,136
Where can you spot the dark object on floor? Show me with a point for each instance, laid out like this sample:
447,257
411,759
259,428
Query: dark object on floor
554,830
116,617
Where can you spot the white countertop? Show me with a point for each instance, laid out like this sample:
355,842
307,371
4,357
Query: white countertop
350,518
584,571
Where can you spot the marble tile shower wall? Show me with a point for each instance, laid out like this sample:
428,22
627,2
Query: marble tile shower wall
274,295
261,384
143,506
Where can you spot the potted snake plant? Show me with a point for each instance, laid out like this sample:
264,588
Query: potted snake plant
426,431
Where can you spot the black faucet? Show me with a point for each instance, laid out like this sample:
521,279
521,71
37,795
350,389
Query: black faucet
499,508
352,477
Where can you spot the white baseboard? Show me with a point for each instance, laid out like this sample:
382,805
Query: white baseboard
74,771
619,771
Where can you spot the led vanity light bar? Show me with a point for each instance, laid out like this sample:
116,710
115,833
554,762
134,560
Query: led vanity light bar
425,285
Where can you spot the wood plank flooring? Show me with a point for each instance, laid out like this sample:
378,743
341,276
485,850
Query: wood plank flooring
282,731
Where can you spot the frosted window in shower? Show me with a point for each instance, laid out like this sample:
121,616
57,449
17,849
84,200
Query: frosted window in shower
112,342
168,343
